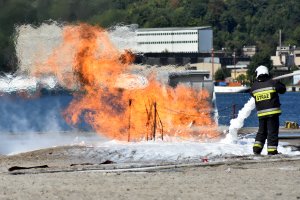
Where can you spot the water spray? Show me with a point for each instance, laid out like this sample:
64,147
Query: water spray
237,123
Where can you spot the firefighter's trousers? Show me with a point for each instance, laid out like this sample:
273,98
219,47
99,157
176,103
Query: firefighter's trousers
268,130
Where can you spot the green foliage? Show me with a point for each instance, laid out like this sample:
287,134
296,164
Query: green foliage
262,58
242,78
235,22
221,74
109,18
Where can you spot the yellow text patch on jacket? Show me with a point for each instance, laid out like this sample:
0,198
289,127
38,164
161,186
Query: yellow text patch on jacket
263,96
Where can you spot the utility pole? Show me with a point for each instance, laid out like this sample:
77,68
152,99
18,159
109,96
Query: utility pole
280,55
212,64
234,64
233,111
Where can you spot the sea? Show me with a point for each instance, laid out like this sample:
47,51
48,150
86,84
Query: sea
229,104
44,113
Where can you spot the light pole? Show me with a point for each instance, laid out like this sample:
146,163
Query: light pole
234,64
212,64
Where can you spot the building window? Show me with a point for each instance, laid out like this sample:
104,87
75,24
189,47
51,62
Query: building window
168,33
178,42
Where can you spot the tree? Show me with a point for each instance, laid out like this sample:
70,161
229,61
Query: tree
109,18
242,78
258,59
235,23
221,74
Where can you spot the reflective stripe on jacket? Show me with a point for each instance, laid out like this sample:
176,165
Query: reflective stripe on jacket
266,112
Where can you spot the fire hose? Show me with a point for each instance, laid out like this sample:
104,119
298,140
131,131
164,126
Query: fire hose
238,122
285,76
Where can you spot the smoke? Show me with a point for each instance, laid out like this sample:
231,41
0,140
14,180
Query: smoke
29,141
9,83
124,37
238,123
14,83
35,44
19,114
29,124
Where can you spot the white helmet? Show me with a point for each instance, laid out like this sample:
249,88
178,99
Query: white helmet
261,70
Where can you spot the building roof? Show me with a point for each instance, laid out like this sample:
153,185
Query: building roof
173,28
236,66
190,72
240,70
243,63
250,46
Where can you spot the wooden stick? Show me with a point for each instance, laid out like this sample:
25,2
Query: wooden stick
129,119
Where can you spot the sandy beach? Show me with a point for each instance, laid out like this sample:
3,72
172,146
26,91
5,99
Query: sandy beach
59,173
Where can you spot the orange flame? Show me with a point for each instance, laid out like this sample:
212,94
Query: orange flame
135,114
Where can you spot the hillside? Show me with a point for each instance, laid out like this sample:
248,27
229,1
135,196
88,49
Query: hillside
235,22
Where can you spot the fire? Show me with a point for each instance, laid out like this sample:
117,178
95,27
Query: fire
133,114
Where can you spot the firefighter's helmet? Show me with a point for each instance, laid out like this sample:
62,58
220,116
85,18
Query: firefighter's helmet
261,70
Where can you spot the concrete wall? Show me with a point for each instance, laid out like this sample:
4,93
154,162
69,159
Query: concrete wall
206,67
195,81
237,72
276,60
297,57
205,43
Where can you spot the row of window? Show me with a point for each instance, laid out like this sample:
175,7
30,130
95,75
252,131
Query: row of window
176,33
168,42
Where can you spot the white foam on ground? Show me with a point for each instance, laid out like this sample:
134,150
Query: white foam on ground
145,151
183,150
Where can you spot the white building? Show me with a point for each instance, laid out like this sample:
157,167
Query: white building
280,59
239,65
297,56
175,40
207,66
296,79
249,51
286,56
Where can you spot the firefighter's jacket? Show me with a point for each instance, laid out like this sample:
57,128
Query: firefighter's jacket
265,91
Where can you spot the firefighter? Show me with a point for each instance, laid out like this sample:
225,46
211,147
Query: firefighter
265,91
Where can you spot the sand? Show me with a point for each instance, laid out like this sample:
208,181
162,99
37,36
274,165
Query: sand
70,176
